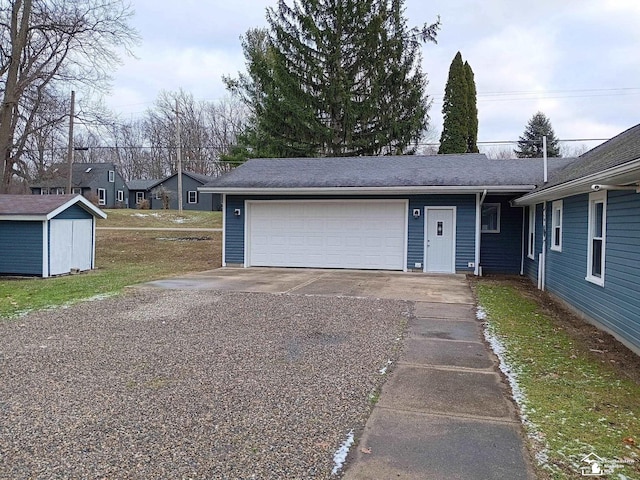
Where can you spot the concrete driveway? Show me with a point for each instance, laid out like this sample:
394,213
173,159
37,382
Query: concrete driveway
416,287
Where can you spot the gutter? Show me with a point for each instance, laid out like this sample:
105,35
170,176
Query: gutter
404,190
579,185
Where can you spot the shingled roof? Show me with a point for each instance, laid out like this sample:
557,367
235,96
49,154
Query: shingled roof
468,170
42,207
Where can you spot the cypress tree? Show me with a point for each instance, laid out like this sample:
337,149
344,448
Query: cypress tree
335,77
472,111
530,143
455,131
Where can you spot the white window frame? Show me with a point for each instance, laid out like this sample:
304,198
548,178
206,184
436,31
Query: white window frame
195,196
497,229
44,191
139,198
556,225
531,240
102,196
595,199
76,190
121,195
112,176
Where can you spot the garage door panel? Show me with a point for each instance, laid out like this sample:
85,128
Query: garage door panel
327,234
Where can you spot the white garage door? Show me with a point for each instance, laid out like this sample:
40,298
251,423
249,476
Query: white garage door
340,234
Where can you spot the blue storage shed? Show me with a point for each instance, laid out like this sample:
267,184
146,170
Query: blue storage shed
47,235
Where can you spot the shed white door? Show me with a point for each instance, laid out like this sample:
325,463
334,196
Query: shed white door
71,245
440,250
327,234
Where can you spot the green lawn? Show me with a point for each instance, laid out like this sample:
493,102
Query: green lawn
123,258
574,403
161,218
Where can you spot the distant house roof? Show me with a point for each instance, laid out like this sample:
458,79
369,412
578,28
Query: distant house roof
408,172
42,207
198,177
616,160
84,175
142,184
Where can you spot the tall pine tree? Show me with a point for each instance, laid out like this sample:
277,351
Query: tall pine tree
335,77
460,128
530,144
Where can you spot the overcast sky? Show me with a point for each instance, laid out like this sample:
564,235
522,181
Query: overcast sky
575,60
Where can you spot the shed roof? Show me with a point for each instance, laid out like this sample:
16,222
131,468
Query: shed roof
42,207
466,170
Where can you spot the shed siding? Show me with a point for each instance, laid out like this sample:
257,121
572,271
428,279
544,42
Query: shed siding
465,223
616,305
21,248
502,252
74,212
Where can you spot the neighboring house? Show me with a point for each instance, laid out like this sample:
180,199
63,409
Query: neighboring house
47,235
140,191
583,236
577,234
165,192
101,183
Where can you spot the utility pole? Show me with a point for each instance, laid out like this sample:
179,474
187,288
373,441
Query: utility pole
70,146
179,155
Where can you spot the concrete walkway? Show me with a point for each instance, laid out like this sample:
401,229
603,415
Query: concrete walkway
444,413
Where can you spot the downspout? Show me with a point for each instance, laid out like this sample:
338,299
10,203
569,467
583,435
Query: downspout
479,202
524,241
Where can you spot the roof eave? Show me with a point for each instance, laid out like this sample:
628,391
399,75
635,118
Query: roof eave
86,204
621,174
450,189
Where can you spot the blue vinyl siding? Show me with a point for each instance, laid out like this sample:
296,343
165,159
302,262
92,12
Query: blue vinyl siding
531,266
74,212
616,305
21,248
502,252
465,223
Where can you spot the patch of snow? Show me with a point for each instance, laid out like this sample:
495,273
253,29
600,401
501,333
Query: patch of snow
510,372
179,220
157,215
341,454
139,215
383,370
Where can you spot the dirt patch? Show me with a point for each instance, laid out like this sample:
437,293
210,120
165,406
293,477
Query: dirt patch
596,343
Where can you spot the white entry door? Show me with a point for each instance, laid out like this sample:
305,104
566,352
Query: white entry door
440,236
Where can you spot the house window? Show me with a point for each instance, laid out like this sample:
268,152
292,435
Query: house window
76,190
192,196
597,235
102,196
556,226
139,197
490,218
120,196
112,176
531,243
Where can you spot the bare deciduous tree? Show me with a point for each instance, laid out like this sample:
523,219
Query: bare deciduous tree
48,45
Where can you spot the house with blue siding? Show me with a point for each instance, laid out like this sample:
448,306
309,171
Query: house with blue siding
571,225
47,235
101,183
163,194
583,236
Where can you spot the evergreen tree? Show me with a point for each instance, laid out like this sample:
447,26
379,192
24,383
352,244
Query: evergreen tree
334,77
530,143
455,108
472,111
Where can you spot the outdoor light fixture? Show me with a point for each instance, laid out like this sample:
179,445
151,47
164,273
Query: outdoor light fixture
416,213
236,212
